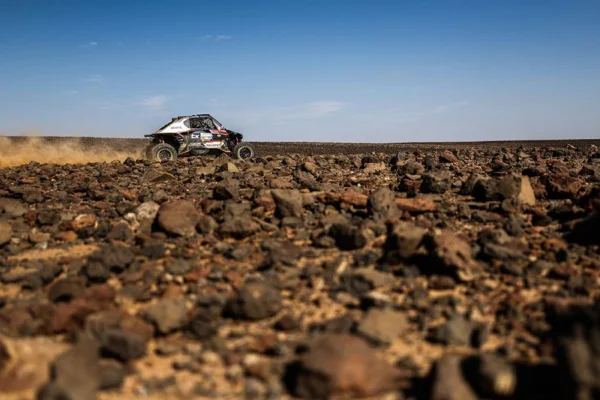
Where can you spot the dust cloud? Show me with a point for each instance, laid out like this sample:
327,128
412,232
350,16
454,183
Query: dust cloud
64,151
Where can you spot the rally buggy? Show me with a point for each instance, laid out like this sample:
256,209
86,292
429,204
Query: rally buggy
195,135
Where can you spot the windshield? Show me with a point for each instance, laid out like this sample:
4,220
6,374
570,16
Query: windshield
217,123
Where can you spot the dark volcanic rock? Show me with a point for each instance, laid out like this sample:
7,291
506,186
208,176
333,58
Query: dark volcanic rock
66,290
281,253
112,375
511,186
490,375
347,237
225,274
436,182
123,345
115,257
586,231
363,280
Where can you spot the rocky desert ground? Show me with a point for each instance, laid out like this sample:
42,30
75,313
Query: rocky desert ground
314,271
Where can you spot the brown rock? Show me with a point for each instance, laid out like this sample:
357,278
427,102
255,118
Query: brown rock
120,335
155,175
227,189
24,362
35,236
409,185
279,183
69,317
353,198
382,326
178,217
562,186
76,374
526,195
416,205
68,236
448,382
382,204
403,240
342,366
239,228
451,255
448,157
12,207
288,203
265,199
84,221
374,167
167,315
6,232
328,197
591,200
230,167
256,300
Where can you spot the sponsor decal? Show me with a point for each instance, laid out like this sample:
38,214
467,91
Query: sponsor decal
212,145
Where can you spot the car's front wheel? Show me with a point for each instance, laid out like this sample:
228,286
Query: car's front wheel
244,151
162,152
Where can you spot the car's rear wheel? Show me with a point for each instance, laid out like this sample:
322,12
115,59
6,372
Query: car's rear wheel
162,152
244,151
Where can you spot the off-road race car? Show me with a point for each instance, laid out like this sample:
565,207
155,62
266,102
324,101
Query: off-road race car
195,135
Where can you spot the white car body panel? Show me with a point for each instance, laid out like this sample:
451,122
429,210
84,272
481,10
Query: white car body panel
214,145
175,127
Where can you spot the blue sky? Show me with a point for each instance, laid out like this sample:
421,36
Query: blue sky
310,70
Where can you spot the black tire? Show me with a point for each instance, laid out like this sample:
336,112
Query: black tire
244,151
161,152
